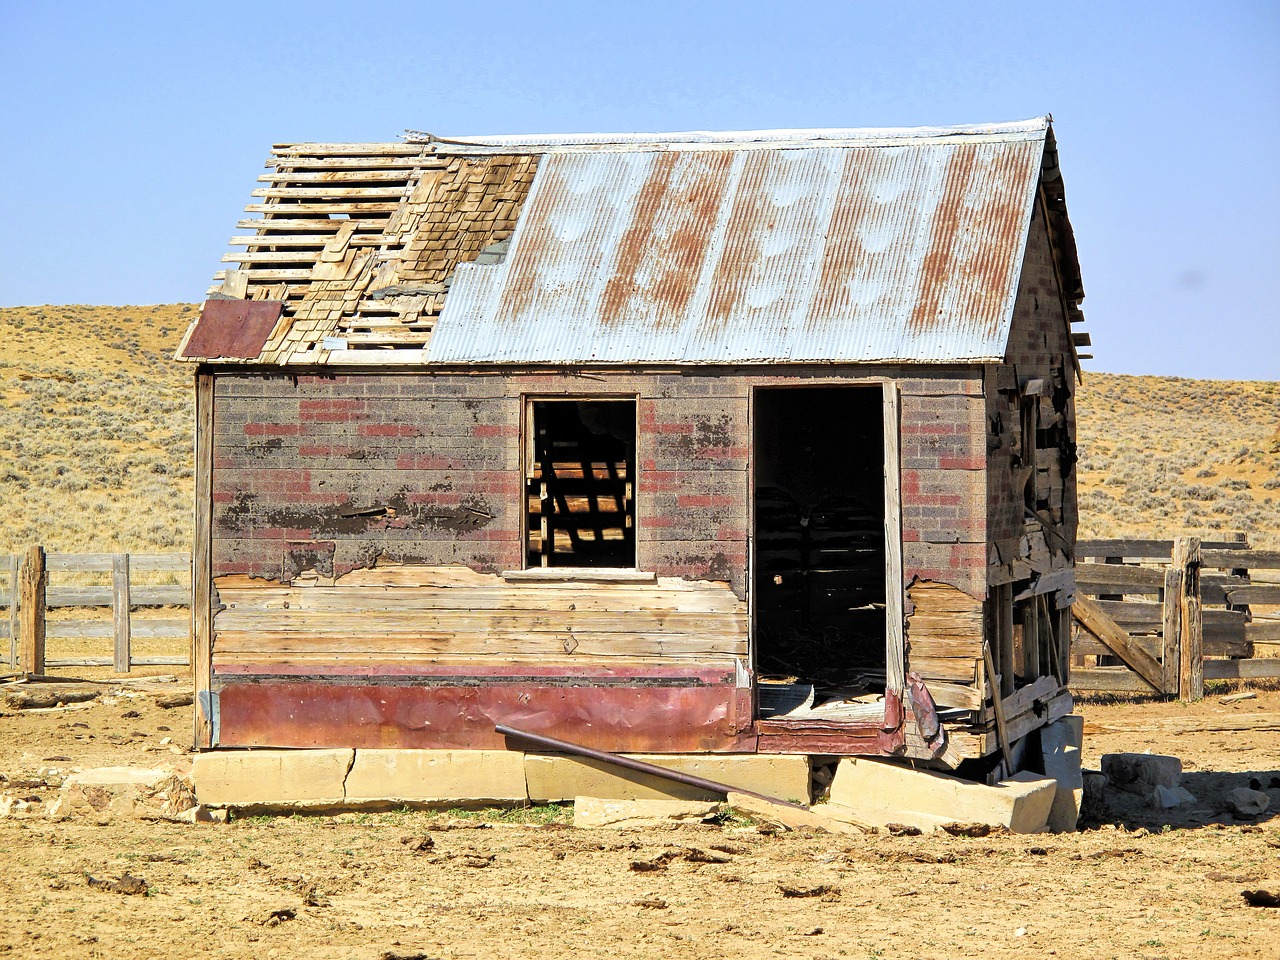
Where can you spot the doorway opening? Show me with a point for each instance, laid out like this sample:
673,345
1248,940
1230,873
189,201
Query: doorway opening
819,573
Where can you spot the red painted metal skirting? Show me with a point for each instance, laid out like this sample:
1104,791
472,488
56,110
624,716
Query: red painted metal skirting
640,718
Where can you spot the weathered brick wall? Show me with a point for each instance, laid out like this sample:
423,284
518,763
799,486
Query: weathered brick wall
944,523
426,468
1039,347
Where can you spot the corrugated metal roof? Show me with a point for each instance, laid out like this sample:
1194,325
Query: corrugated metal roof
869,248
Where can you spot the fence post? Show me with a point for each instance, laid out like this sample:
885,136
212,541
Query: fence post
1171,652
1191,625
34,578
120,611
15,625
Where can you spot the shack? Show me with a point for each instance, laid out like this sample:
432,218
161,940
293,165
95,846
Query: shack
698,442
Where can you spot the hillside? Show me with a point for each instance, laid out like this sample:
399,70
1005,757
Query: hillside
95,440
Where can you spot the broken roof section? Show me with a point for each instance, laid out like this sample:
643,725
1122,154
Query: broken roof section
776,246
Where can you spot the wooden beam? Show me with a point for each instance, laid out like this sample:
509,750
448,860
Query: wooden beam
1186,556
120,610
202,563
1090,616
1253,669
33,579
14,624
997,704
895,647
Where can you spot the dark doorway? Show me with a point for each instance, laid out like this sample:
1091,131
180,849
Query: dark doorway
819,534
580,483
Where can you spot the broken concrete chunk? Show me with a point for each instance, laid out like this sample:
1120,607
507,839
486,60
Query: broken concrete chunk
1140,773
106,794
879,792
554,778
1166,798
593,812
787,817
1246,803
1060,746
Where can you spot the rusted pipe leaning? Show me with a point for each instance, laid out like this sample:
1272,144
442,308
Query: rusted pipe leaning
711,786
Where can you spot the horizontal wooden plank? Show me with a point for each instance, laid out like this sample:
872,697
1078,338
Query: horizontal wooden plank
1228,559
310,240
582,645
280,150
552,597
291,209
1263,593
298,162
1142,549
340,176
1109,680
282,224
1242,669
108,661
329,190
89,562
96,629
1139,613
1262,630
1111,577
139,596
263,256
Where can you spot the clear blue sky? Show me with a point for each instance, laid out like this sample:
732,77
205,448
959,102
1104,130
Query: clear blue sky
132,133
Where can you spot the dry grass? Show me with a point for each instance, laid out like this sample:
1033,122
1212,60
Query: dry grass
95,440
1161,456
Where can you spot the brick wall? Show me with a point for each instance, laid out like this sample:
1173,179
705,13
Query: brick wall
1039,347
426,468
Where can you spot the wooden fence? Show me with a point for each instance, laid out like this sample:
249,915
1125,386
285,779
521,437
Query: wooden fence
27,593
1162,616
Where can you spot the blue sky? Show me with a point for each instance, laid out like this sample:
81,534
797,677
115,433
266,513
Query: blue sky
132,133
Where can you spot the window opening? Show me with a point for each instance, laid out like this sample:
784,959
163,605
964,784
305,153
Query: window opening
580,483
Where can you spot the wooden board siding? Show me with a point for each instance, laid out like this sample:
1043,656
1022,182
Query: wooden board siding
944,633
464,618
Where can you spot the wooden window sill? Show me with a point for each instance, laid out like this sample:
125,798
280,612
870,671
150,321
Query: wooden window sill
579,574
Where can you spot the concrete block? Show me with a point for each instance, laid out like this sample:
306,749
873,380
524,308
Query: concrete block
556,778
1060,745
822,817
107,794
593,812
249,778
455,777
877,792
1140,773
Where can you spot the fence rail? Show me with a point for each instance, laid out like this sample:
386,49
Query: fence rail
1162,616
27,596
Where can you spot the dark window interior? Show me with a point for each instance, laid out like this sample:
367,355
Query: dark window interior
819,527
580,486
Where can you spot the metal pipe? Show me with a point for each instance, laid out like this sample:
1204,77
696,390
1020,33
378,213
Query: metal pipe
711,786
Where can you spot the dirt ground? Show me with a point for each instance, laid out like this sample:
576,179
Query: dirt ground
417,884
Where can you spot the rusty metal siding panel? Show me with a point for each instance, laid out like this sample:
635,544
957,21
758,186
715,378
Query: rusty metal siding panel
906,252
232,329
687,717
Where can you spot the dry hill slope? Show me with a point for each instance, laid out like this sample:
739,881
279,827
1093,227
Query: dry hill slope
95,440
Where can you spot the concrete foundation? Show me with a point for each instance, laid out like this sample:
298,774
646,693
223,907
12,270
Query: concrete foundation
875,792
558,778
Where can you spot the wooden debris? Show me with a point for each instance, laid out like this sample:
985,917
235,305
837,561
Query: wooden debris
1237,697
821,890
127,884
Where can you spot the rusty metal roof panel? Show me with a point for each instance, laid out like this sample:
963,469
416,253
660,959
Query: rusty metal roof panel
879,249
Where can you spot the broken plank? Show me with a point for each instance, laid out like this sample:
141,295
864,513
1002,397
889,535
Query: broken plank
1091,616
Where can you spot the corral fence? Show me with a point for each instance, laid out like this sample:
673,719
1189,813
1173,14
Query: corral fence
1160,617
30,590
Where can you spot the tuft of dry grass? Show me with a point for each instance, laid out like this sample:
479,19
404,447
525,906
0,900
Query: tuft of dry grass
95,440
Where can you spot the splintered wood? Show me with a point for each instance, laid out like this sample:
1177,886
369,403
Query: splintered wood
360,241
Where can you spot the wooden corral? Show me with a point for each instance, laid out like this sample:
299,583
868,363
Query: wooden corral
1162,616
653,443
